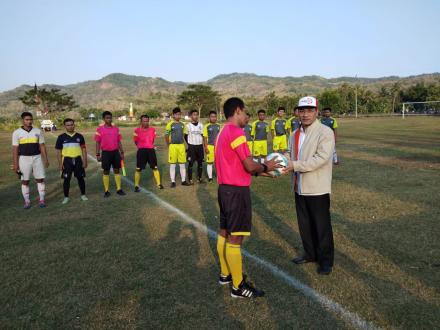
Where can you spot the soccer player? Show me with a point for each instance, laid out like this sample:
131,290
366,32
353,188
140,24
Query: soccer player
331,122
247,132
194,139
108,140
210,132
235,166
279,131
174,137
72,158
143,138
29,156
260,130
293,122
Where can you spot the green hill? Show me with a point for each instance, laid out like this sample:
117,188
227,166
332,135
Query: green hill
115,91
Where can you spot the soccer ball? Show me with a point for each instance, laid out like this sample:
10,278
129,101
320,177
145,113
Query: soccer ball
278,157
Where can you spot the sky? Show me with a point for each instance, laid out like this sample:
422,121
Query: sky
65,42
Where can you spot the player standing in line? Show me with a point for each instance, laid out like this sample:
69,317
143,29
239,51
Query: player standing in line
29,156
234,166
194,140
108,140
293,122
247,132
278,128
210,133
331,122
72,158
143,138
260,130
174,137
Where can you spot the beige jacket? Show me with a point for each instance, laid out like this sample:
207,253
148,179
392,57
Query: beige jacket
314,165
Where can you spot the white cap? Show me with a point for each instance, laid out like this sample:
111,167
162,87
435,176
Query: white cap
307,102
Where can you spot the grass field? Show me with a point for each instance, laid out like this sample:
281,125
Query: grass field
126,262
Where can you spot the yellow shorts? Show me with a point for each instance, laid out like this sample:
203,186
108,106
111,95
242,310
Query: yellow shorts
250,145
210,156
260,148
177,154
279,143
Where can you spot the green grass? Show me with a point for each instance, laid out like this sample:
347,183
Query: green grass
125,262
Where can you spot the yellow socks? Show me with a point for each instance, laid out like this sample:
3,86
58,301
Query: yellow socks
137,178
156,176
221,249
106,182
118,181
233,258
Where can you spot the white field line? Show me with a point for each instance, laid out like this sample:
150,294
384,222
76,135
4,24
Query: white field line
351,318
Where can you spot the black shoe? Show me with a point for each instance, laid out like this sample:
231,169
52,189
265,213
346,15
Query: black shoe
173,185
190,182
324,270
301,260
246,290
160,186
223,280
200,180
137,189
210,180
107,194
120,192
184,183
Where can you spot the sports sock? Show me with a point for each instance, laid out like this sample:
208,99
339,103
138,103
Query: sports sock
173,172
25,192
41,190
209,170
82,185
106,182
137,177
233,258
118,181
182,172
221,249
156,175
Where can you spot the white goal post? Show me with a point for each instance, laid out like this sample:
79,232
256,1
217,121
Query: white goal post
404,104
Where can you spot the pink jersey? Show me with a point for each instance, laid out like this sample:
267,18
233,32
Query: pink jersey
230,151
144,137
109,137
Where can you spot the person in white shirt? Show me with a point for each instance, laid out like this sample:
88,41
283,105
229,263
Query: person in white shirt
194,139
29,157
311,149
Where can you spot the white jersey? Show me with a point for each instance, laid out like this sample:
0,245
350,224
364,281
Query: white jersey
195,133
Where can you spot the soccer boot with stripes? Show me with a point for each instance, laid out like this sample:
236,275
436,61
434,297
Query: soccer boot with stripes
246,290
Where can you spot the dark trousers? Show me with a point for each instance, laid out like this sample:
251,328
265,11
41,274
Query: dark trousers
195,154
315,228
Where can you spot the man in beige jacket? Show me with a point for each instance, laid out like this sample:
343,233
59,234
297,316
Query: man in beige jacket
311,149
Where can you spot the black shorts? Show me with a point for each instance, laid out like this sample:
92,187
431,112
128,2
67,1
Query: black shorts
110,159
146,156
195,152
235,209
73,165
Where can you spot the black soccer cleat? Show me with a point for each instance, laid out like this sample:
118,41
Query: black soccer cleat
246,290
173,185
210,180
200,180
120,192
137,189
107,194
223,280
184,183
159,186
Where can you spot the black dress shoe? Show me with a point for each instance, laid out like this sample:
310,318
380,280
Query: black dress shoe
324,270
301,260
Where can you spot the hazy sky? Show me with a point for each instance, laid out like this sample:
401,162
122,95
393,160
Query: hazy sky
71,41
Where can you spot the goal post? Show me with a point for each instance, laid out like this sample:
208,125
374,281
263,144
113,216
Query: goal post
427,107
